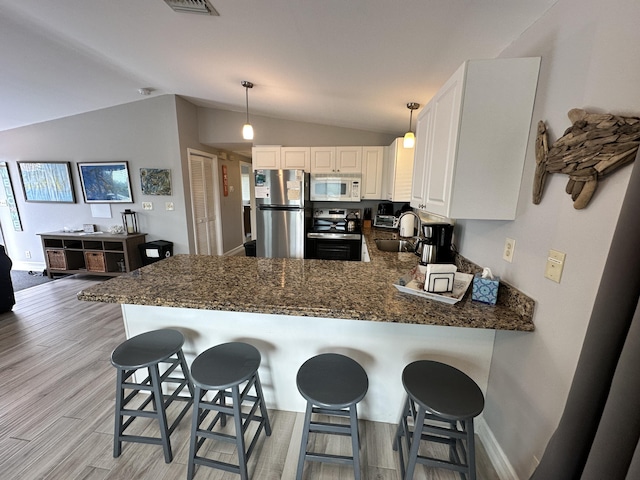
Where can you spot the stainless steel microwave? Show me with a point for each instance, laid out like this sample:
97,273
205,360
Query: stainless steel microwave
328,187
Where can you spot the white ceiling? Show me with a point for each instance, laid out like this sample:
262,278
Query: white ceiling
350,63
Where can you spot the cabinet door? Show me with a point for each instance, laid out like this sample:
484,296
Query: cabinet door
266,157
424,130
295,158
372,166
349,159
441,150
399,172
323,159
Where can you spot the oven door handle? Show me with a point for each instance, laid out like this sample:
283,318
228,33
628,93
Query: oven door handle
335,236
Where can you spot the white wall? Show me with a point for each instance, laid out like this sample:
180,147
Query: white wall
143,133
590,60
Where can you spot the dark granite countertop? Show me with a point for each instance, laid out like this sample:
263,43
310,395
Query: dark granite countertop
310,288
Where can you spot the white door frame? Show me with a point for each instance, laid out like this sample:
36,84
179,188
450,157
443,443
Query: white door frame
251,200
216,194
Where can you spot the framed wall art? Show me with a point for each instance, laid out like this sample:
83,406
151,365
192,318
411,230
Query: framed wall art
105,182
11,199
155,181
47,182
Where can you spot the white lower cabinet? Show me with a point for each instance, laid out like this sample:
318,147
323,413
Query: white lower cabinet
471,140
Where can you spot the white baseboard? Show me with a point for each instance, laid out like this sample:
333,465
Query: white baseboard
29,266
496,455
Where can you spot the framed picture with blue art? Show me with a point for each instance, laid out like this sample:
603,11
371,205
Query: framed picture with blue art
105,182
47,182
155,181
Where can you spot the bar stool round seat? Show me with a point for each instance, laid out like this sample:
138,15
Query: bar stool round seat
223,369
438,393
148,351
147,348
332,384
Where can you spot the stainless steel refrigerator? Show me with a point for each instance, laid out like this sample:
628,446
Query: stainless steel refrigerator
283,212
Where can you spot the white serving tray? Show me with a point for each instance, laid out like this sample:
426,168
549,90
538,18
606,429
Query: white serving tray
461,283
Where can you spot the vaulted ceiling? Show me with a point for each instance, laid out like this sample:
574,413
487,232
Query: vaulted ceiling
350,63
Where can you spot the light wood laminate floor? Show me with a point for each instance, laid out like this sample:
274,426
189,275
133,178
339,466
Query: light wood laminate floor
57,389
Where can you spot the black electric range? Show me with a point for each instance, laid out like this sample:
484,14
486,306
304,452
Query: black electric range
335,234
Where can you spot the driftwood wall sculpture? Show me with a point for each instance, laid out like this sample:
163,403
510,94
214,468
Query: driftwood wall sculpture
594,146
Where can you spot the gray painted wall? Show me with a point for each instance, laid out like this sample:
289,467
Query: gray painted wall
143,133
219,127
586,63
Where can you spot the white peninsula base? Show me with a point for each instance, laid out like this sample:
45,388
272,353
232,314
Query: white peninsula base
286,341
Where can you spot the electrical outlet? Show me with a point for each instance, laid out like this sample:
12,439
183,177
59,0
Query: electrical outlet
509,247
169,205
27,254
147,206
555,264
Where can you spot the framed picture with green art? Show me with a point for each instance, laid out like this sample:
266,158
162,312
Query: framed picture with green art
155,181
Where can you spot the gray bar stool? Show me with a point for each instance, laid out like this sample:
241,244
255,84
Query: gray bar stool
442,401
332,384
149,350
223,369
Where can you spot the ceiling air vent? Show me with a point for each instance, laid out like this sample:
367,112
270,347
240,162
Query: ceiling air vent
202,7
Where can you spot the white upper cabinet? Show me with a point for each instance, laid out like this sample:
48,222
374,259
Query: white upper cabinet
275,157
471,140
398,172
323,159
372,173
295,158
336,159
265,157
348,159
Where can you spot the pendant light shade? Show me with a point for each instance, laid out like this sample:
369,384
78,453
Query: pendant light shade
409,138
247,129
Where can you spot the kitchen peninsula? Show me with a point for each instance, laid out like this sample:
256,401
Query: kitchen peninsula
292,309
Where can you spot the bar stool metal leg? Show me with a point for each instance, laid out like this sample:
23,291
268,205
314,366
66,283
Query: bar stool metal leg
355,440
415,443
304,441
158,400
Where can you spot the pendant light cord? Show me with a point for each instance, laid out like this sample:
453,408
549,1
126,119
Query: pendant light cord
246,91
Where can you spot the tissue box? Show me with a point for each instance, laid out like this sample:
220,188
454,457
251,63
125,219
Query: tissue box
485,290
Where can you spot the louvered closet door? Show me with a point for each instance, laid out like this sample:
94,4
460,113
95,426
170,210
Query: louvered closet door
201,172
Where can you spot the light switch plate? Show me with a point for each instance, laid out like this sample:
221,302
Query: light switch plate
147,206
168,205
555,265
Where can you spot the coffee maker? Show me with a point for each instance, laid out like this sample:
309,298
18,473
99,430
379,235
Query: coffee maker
436,243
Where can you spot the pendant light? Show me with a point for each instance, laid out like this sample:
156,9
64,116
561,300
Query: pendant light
409,138
247,129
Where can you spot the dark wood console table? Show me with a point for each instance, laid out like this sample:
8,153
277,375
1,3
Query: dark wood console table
92,253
